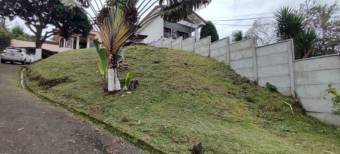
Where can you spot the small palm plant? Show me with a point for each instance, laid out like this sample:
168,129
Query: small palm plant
118,20
290,26
290,23
305,43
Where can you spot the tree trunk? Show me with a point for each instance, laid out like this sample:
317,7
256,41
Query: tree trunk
38,43
113,81
38,39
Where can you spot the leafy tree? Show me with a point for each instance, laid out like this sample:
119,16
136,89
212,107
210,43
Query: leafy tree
263,31
19,34
5,39
39,14
237,36
3,23
17,31
117,21
209,30
320,17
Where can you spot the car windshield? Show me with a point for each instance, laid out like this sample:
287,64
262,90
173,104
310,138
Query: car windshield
12,50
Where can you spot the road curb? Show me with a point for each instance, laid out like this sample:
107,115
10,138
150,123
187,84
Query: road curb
115,131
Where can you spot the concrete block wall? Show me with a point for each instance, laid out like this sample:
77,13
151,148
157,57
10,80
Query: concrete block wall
177,44
220,50
305,79
243,59
167,43
274,65
312,77
202,47
188,44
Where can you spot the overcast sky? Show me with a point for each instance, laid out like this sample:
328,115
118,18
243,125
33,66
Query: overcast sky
244,9
239,11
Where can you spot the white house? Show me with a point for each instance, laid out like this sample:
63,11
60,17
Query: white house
77,41
154,30
157,28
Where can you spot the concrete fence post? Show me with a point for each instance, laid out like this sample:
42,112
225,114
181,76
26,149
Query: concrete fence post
291,58
228,52
255,64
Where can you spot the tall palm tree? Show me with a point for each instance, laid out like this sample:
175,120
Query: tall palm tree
118,20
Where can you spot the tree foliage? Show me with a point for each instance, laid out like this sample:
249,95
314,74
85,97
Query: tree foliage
237,36
336,98
263,31
39,14
305,43
5,39
209,30
320,17
175,10
17,31
19,34
290,23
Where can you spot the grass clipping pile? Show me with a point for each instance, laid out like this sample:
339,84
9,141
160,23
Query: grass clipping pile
183,100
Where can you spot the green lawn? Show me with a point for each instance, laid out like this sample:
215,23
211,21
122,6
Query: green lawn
184,99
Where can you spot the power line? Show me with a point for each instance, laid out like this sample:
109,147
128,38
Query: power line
242,19
246,25
246,15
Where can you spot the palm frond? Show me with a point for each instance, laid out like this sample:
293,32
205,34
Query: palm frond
175,10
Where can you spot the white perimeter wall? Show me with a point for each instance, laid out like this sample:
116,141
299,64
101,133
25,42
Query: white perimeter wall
242,58
274,65
312,77
202,47
220,50
188,44
305,79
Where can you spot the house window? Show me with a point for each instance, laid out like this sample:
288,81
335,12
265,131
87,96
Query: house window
184,35
167,32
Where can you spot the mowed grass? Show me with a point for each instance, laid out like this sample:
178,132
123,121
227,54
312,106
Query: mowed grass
184,99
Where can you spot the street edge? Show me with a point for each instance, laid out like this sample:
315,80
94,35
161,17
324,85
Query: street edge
113,130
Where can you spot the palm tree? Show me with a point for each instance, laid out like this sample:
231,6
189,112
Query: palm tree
290,23
118,20
305,43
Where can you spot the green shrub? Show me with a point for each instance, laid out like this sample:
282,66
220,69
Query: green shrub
209,30
102,63
237,36
128,78
5,39
336,98
271,87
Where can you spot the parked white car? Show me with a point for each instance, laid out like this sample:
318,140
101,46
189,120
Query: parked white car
16,55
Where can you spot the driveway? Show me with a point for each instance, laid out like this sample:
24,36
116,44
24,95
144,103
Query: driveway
29,125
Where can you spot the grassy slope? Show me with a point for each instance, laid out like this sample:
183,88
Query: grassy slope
185,99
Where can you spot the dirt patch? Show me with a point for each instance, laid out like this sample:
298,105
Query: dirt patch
47,83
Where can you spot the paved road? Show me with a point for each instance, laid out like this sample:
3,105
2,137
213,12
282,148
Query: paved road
31,126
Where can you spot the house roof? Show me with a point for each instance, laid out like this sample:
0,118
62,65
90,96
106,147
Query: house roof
194,17
46,45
